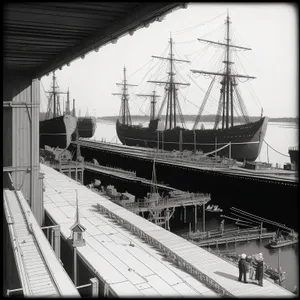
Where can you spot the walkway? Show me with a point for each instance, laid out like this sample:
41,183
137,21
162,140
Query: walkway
40,273
115,249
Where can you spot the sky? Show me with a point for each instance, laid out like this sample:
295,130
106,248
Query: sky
270,30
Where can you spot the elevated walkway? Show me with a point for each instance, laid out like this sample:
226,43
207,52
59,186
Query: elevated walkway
116,249
40,272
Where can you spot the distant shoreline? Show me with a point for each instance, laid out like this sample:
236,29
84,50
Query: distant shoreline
205,118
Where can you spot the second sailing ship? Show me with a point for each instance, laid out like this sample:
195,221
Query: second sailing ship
241,142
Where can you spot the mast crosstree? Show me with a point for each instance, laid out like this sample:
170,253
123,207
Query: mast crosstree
125,112
228,82
56,103
171,89
153,103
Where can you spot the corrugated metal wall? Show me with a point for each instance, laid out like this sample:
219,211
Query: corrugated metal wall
22,139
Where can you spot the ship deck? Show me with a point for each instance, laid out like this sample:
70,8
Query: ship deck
136,257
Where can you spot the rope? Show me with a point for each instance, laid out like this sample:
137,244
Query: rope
276,150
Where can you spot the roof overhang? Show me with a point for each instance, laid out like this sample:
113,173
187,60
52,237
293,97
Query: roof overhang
42,37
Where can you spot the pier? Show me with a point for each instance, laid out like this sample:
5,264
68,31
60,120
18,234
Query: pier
114,236
278,176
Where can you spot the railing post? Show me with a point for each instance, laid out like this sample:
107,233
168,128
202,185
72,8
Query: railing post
106,290
56,232
95,287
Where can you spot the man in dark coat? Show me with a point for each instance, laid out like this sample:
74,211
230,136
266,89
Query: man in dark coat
243,268
259,275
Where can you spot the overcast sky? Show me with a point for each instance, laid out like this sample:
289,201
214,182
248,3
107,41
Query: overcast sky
269,29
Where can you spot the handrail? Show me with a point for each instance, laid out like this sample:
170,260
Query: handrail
61,288
174,257
19,258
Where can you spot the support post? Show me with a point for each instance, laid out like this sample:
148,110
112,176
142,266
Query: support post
184,214
190,227
168,219
106,290
195,218
203,217
56,232
95,287
279,275
157,140
75,266
229,150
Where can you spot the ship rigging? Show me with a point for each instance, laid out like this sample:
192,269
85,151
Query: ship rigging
241,142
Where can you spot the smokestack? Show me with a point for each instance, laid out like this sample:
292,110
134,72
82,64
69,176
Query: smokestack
68,103
74,112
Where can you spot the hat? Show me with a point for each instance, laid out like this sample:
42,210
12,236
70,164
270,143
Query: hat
260,256
243,256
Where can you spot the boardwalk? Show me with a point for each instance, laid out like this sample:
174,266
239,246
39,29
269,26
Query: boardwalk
40,272
128,264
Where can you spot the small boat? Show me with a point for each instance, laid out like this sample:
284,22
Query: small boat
214,208
279,242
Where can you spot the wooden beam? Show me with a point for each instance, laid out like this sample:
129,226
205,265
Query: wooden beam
145,12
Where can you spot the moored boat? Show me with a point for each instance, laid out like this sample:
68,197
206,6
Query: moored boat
56,129
281,241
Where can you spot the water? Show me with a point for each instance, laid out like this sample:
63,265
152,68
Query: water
280,136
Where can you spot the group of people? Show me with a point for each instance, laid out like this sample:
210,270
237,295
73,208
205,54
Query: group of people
246,265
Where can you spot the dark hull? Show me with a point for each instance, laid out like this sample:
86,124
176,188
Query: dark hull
294,156
246,140
57,132
86,127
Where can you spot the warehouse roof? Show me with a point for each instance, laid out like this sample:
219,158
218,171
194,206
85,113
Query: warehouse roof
41,37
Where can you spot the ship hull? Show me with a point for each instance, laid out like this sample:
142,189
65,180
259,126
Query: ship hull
294,156
246,140
86,127
56,132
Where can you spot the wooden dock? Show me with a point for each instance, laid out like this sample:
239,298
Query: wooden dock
113,263
284,176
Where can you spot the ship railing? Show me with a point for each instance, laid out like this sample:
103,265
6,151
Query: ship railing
294,148
170,255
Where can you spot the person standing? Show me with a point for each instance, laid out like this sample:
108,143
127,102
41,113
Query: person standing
243,268
259,275
251,267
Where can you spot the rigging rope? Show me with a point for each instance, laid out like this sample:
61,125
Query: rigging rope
197,25
276,150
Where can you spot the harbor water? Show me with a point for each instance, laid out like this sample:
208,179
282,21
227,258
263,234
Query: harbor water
279,136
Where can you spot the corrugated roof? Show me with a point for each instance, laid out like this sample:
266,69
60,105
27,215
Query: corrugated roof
40,37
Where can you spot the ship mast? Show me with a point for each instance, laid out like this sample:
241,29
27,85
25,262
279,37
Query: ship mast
153,103
171,90
228,80
54,93
125,113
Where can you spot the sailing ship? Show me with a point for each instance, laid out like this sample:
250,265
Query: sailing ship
56,129
86,126
241,142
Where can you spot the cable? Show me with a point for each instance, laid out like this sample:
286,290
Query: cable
276,150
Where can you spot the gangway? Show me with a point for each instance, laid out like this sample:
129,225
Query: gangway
39,270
